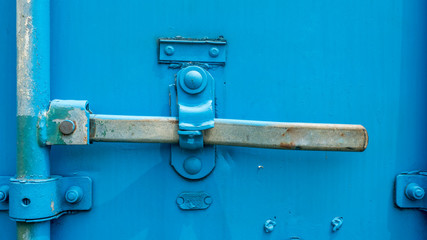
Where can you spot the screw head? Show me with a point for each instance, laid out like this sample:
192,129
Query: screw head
193,79
192,165
67,127
214,52
414,192
169,50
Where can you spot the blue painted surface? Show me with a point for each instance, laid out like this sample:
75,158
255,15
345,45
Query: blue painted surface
300,61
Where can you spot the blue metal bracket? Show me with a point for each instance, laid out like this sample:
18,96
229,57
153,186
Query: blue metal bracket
193,200
45,199
193,101
410,190
175,50
66,123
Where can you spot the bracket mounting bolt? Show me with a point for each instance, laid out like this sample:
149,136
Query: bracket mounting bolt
192,165
214,52
4,193
74,194
67,127
193,79
414,192
169,50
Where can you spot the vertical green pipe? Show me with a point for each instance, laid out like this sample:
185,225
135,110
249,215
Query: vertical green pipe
33,96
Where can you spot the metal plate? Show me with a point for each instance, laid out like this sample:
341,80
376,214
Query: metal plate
401,182
192,50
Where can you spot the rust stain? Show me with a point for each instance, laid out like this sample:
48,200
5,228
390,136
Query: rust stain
342,134
52,206
285,145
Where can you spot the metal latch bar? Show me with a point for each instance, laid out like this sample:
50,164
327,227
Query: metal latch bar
243,133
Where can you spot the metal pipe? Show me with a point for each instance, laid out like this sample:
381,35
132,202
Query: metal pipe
278,135
33,95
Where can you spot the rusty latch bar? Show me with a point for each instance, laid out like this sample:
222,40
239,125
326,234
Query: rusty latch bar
243,133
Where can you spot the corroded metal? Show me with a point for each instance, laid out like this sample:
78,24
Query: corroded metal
33,95
292,136
76,114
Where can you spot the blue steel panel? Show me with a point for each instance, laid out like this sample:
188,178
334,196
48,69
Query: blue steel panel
303,61
7,103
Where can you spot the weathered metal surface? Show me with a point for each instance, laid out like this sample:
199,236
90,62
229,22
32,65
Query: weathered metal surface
291,136
33,95
62,112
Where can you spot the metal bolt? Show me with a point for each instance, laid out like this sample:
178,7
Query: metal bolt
337,223
67,127
192,165
4,193
169,50
214,52
74,194
193,79
414,192
269,225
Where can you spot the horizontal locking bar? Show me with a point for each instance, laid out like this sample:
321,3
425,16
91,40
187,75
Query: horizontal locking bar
278,135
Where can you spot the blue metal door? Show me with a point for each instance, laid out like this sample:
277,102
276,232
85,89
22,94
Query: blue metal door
276,62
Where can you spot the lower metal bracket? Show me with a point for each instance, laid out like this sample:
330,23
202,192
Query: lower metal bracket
193,101
410,190
45,199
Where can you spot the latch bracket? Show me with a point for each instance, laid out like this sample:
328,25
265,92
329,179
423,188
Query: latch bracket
66,123
193,101
39,200
410,192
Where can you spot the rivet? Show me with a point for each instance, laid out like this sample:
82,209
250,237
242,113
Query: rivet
192,165
180,200
337,223
269,225
414,192
169,50
193,79
208,200
74,194
67,127
4,193
214,52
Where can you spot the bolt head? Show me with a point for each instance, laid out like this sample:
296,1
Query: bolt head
74,194
414,192
67,127
2,196
214,52
169,50
193,79
192,165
